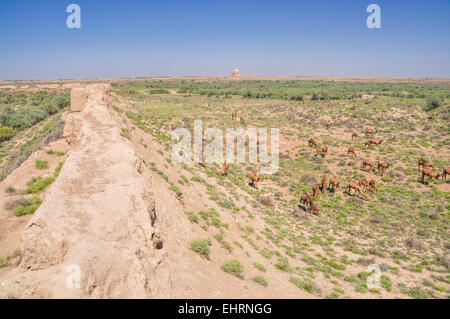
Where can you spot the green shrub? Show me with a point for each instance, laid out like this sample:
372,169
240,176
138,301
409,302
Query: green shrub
58,169
159,91
176,190
233,267
201,246
28,206
39,185
41,164
192,217
117,109
433,102
6,133
259,267
283,264
302,284
10,190
260,280
386,282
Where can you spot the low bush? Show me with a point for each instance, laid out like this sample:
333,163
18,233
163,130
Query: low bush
39,185
201,246
28,206
233,267
41,164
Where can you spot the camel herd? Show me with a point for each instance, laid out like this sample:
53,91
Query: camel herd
356,186
426,168
362,185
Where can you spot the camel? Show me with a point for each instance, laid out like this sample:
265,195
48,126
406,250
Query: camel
324,150
323,184
305,200
370,132
351,150
313,208
255,179
354,185
372,186
364,183
311,142
355,135
382,166
430,173
368,144
224,170
424,163
334,183
445,172
318,151
375,141
315,191
234,114
368,163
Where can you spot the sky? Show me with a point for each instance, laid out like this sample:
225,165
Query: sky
196,38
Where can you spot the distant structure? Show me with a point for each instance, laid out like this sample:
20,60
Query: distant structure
236,73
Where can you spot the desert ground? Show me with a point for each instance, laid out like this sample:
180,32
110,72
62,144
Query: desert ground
94,185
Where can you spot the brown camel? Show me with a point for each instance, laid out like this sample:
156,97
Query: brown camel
364,183
224,170
334,183
355,135
368,163
445,172
372,186
318,151
305,200
370,132
324,150
315,191
313,208
368,144
323,184
430,173
424,163
255,179
234,114
311,142
354,185
382,166
375,141
351,150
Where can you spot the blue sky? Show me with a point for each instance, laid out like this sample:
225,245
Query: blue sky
168,38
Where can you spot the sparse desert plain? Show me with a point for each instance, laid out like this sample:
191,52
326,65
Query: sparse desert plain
98,188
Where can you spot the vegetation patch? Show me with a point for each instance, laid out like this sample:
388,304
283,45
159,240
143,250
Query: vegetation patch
233,267
201,246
